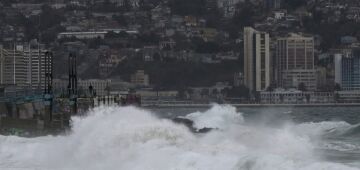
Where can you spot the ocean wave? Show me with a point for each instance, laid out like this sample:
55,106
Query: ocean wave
128,138
353,131
330,129
341,146
218,117
326,128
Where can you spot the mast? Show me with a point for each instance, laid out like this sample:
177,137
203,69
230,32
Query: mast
72,86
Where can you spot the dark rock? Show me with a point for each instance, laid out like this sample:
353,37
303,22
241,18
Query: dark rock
190,124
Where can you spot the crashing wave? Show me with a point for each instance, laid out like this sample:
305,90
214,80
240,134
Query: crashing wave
129,138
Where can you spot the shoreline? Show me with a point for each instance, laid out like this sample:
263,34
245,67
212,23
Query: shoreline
253,105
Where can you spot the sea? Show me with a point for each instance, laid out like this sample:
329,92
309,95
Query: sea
245,138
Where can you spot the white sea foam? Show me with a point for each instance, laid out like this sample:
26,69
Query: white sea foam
327,127
220,117
128,138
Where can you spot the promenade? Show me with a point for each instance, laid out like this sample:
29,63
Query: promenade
182,104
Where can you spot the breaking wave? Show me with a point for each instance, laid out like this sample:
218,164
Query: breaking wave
128,138
332,129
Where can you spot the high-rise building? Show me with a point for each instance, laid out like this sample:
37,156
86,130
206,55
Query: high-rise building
295,62
256,59
350,71
24,66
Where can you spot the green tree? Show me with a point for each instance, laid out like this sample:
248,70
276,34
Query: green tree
270,89
121,19
181,93
224,91
190,92
205,47
95,43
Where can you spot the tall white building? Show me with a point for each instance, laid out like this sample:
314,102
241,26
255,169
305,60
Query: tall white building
257,69
23,66
338,68
350,71
295,62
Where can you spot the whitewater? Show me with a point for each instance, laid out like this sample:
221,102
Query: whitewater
129,138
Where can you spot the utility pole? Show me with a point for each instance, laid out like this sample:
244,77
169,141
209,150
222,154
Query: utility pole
48,94
72,86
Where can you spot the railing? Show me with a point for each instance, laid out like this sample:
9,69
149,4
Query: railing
163,103
22,96
148,103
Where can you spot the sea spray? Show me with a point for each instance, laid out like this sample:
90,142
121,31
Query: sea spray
128,138
219,117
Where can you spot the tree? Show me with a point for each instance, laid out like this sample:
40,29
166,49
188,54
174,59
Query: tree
7,2
142,5
224,91
148,38
294,4
204,92
190,92
112,34
46,24
50,35
244,15
215,92
302,87
107,89
241,91
188,7
337,87
181,93
336,97
127,5
307,98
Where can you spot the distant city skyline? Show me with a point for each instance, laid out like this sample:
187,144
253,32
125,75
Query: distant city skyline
182,45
